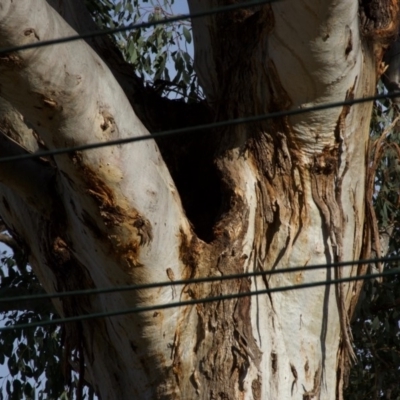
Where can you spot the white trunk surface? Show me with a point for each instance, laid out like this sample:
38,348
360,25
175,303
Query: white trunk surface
293,188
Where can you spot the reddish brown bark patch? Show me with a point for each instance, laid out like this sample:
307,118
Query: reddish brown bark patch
11,61
379,19
124,228
256,389
224,346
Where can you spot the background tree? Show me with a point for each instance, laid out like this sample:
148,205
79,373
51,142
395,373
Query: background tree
376,323
258,197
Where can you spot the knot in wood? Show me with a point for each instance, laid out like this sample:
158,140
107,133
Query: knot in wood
61,250
325,163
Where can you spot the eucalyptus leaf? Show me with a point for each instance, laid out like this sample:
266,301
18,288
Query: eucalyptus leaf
187,34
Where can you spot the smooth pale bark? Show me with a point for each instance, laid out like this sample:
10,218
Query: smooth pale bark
292,193
115,207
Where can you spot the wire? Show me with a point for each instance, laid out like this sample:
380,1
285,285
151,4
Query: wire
193,281
177,132
141,25
195,301
180,131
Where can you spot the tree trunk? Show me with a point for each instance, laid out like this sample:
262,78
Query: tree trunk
257,197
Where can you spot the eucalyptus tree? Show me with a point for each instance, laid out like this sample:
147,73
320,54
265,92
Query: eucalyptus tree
273,194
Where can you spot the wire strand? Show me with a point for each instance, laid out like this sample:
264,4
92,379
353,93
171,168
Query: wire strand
102,32
177,132
214,125
196,301
88,292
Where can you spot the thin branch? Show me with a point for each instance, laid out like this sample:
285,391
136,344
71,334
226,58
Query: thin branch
10,242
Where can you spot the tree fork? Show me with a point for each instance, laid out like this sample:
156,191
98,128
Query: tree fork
288,192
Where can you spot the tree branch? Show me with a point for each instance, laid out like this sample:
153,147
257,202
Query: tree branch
157,113
71,97
9,241
31,179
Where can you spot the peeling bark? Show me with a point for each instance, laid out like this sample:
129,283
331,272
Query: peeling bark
286,192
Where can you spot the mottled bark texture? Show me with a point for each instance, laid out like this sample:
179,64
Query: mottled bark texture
256,197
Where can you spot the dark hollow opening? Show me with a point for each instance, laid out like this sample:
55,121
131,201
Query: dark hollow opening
190,162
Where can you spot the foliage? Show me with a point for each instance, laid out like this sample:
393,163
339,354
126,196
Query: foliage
376,326
32,355
150,50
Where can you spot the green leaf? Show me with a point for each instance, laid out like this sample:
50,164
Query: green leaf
28,390
375,324
187,34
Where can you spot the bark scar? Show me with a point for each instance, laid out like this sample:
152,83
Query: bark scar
322,187
315,391
171,277
326,187
295,375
